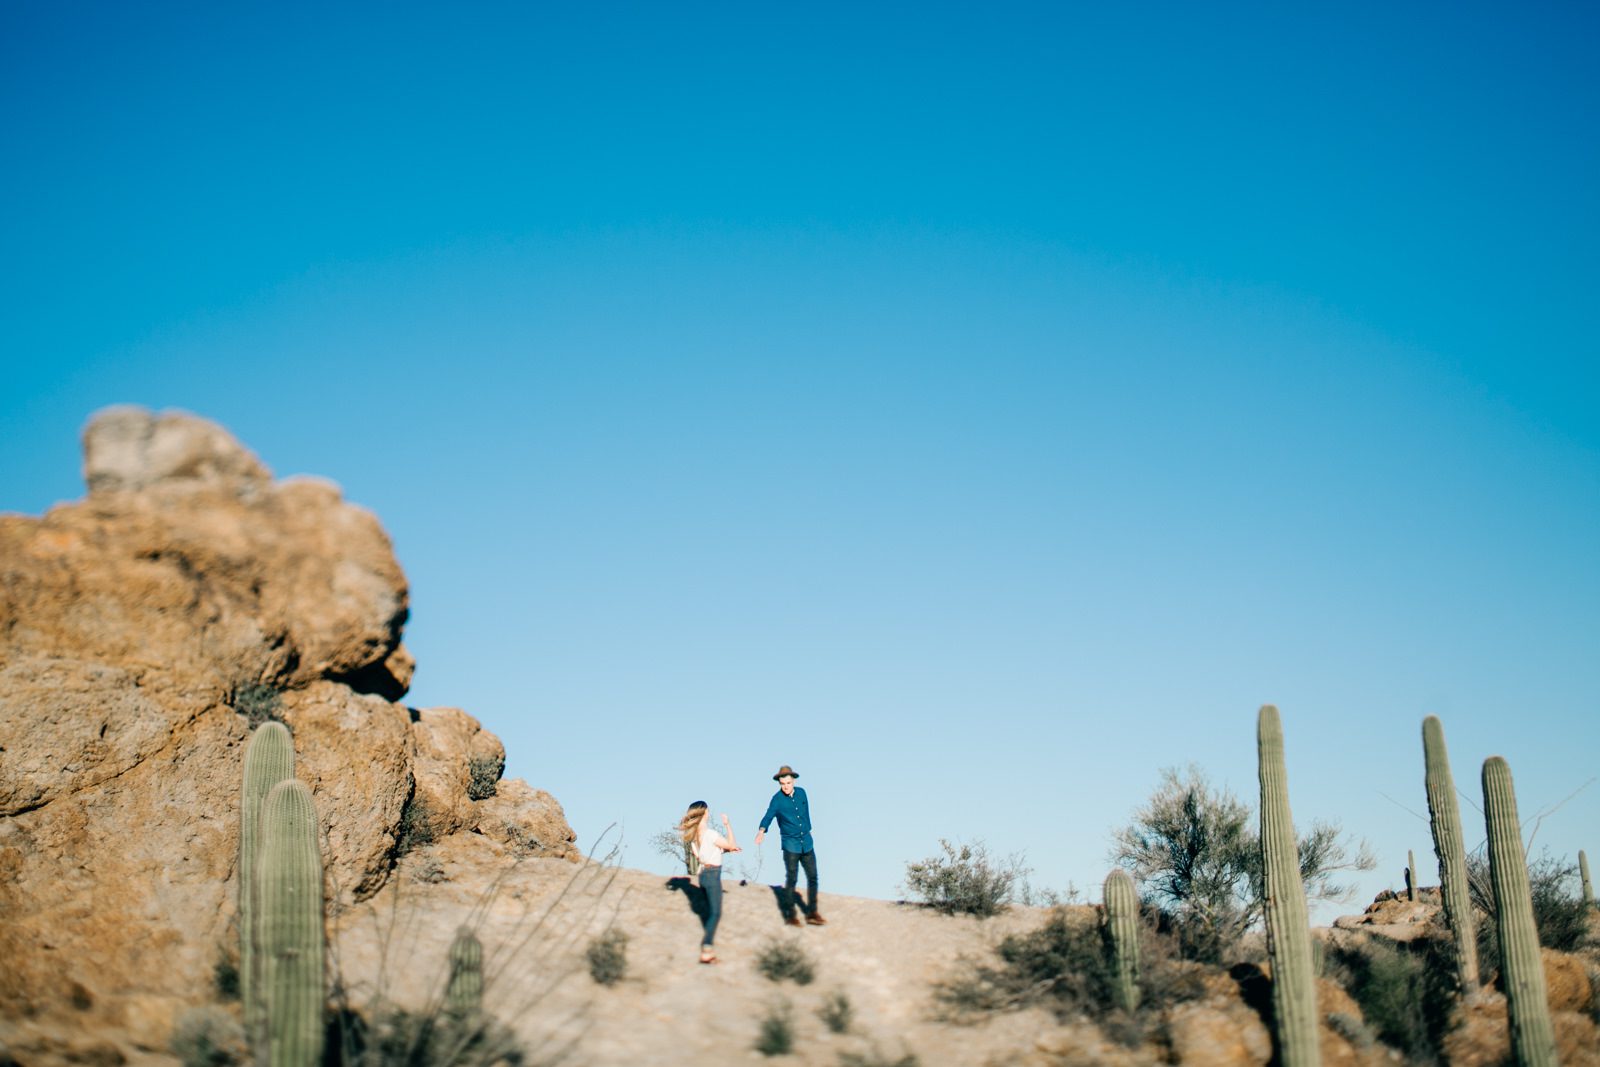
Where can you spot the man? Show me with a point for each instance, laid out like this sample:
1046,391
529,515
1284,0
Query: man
790,807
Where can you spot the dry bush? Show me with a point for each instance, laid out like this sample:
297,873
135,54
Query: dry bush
965,880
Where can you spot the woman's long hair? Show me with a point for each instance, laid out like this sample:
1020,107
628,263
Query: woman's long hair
689,825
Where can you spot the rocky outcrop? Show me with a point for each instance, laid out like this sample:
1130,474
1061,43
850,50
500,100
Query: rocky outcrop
141,631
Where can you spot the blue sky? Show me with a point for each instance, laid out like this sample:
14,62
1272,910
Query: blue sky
979,409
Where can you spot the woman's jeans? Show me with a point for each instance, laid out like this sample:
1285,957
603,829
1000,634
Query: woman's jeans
711,882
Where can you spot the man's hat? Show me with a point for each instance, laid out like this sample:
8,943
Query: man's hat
785,769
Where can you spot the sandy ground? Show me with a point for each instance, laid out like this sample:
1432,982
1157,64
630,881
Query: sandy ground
539,920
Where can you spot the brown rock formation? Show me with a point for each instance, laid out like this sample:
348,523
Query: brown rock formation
136,628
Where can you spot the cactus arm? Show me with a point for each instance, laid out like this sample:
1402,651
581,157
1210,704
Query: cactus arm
1122,933
291,927
1294,991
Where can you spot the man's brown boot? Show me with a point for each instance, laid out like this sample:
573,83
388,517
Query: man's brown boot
816,920
794,920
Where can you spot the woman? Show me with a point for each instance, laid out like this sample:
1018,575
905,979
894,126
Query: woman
708,847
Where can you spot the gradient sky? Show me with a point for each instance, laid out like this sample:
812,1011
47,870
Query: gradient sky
979,408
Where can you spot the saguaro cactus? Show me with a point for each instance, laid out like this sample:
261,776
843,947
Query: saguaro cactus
268,760
290,926
463,997
1294,991
1583,872
1533,1040
1122,934
1445,818
1411,876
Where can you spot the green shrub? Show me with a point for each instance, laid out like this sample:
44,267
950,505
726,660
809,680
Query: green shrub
1558,908
209,1037
225,977
776,1035
786,959
258,703
965,880
608,957
836,1012
401,1038
1063,965
415,829
1406,991
1195,854
485,771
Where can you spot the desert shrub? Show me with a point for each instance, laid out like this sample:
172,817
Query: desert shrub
1406,991
208,1037
1195,854
836,1012
401,1038
670,844
225,977
484,772
521,841
258,703
608,957
781,960
1558,908
776,1034
1351,1028
1064,965
876,1058
965,880
415,828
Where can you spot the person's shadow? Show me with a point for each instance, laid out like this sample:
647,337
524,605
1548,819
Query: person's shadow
693,893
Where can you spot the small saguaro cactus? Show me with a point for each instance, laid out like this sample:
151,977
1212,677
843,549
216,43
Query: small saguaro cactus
463,996
1294,990
290,927
1583,872
1448,844
268,760
1411,876
1533,1039
1122,935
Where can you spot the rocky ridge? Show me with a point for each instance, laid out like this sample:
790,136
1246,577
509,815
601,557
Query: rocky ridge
141,629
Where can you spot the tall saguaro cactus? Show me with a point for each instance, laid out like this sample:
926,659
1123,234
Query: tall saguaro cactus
290,927
1122,933
1294,991
1583,872
1533,1039
463,997
268,760
1449,845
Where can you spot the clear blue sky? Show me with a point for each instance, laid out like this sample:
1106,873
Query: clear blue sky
979,408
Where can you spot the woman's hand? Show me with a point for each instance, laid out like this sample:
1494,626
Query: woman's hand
724,818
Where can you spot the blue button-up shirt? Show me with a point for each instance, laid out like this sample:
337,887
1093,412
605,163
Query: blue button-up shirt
794,819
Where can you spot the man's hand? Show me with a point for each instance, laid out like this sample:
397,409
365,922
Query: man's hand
759,835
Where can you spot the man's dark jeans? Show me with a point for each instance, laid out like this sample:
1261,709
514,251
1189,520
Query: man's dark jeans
792,861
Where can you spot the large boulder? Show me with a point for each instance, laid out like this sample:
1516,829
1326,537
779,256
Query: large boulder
143,630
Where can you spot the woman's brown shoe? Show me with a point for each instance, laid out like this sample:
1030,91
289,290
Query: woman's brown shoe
816,920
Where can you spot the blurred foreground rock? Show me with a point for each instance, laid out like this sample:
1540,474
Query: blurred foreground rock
139,628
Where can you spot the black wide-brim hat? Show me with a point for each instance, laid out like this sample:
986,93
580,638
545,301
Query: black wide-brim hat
785,769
